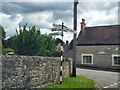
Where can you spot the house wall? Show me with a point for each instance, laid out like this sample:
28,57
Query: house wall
102,55
68,54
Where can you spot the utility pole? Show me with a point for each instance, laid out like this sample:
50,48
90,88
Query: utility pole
74,40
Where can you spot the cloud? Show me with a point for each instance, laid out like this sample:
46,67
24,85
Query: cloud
39,19
106,14
96,18
9,24
44,14
31,7
119,12
59,1
11,8
98,5
65,14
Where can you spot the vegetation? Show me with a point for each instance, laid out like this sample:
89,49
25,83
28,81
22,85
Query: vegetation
72,82
32,42
6,50
2,32
2,39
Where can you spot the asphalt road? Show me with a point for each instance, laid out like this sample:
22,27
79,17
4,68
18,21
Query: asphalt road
103,79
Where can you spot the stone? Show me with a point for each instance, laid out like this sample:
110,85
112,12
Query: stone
32,71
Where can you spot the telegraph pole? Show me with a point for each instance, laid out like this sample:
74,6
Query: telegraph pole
74,40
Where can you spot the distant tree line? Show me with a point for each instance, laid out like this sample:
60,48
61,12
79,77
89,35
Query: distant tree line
30,41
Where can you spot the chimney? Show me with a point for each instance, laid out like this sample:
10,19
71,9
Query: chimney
83,25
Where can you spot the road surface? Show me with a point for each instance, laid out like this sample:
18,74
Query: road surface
103,79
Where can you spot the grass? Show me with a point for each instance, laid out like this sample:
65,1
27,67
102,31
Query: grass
72,82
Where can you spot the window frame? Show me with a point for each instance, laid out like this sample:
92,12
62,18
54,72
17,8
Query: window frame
114,55
87,55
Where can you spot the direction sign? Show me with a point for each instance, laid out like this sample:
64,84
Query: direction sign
55,33
58,27
55,25
55,29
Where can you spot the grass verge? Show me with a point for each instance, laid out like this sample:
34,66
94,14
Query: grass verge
72,82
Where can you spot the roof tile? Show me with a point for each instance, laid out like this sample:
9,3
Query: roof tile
99,35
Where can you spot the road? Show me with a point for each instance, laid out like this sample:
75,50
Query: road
103,79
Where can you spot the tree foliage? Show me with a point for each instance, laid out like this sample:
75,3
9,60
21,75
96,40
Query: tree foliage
2,39
2,35
2,32
32,42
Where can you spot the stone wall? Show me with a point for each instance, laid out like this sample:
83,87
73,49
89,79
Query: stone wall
32,71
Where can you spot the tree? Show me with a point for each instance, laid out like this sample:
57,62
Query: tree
2,33
2,39
32,42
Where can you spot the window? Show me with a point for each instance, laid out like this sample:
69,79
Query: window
87,58
116,60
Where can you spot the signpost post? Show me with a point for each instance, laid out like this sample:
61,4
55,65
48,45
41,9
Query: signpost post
58,27
61,67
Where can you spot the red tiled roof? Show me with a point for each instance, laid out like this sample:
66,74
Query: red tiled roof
100,35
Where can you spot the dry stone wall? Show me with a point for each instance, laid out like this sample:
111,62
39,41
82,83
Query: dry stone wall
32,71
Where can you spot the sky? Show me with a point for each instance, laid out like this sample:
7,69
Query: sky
43,13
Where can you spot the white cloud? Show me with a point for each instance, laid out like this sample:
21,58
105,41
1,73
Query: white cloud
45,31
9,24
41,19
97,18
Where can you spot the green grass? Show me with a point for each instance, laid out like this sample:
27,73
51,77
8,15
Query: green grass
72,82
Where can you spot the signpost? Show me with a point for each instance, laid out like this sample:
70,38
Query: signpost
58,27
